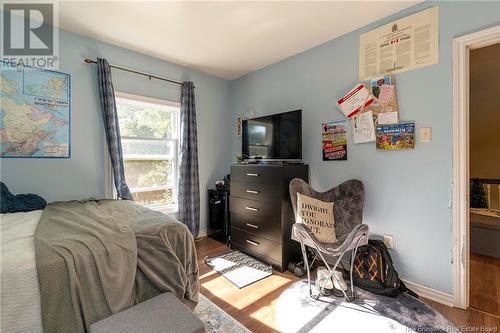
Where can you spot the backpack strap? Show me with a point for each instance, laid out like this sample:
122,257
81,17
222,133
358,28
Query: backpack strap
407,290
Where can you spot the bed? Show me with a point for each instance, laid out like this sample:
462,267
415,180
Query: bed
20,308
485,232
59,266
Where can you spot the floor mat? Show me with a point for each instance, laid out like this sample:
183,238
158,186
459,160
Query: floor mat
215,319
239,268
297,312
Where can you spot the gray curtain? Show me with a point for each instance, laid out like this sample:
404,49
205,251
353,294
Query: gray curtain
112,128
189,189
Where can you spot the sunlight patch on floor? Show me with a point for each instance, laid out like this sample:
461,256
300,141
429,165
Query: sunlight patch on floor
265,314
228,292
210,273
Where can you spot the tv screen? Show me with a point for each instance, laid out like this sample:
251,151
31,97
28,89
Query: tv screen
274,137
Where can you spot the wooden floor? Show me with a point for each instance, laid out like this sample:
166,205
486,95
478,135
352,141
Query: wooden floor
485,283
253,306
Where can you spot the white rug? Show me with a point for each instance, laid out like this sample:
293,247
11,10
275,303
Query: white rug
297,312
215,319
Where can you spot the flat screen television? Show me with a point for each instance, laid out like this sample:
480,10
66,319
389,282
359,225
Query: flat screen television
275,137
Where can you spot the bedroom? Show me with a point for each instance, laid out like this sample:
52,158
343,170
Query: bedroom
244,63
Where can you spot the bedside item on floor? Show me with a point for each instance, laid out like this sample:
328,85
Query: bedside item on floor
239,268
375,272
327,284
297,268
163,313
218,215
347,201
261,211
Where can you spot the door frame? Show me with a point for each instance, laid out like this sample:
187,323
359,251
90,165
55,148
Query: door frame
461,48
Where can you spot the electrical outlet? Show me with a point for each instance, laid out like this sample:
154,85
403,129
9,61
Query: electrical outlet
389,241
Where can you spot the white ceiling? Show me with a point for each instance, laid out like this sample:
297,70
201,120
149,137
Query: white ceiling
225,39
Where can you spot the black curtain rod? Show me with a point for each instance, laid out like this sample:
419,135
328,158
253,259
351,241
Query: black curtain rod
150,76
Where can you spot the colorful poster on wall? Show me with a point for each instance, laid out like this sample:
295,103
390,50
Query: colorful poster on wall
334,139
405,44
396,136
35,113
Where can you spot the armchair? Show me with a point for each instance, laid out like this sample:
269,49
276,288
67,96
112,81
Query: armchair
351,233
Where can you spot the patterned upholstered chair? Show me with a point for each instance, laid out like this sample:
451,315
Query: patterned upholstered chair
351,233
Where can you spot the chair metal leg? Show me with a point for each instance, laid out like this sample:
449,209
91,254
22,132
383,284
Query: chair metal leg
332,269
304,255
314,258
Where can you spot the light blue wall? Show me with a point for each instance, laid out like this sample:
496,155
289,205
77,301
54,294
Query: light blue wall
408,193
82,175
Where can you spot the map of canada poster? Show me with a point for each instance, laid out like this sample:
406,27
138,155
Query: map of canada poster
35,113
334,137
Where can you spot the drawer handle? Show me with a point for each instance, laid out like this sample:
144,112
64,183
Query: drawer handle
252,242
253,174
253,209
252,225
217,202
253,191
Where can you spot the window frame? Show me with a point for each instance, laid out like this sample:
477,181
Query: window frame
108,175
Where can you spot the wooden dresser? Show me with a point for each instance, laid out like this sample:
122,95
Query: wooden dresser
261,211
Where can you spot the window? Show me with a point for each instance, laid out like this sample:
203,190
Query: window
149,131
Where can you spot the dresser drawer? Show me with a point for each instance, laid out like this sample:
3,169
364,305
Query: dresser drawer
255,209
256,191
257,174
267,228
255,244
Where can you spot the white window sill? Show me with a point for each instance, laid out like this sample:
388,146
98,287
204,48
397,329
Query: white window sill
165,209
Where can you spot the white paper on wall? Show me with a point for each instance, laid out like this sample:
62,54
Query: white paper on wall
408,43
387,118
363,128
355,101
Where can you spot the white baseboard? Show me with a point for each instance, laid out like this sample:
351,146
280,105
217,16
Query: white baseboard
429,293
202,233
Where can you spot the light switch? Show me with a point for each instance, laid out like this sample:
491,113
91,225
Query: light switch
425,134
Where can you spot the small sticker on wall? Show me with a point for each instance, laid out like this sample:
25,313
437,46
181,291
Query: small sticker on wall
238,126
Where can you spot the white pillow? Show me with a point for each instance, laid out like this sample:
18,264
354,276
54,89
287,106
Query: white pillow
318,216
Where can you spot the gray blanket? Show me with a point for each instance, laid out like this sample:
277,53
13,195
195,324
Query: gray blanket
95,258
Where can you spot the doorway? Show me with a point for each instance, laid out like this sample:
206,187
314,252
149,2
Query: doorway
484,171
463,50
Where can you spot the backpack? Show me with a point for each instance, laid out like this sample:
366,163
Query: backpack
374,271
